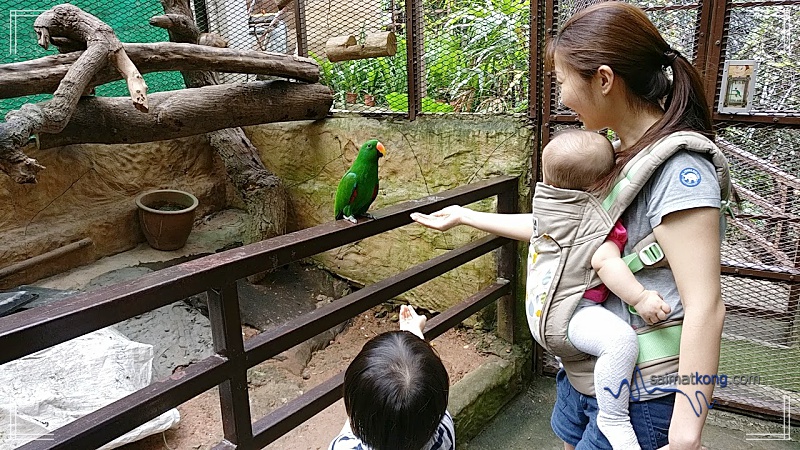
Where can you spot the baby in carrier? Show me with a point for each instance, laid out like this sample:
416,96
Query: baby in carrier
576,159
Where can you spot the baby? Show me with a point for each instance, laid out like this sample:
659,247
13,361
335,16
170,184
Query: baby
395,393
577,159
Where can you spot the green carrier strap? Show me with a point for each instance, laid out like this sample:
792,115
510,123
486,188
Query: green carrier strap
660,343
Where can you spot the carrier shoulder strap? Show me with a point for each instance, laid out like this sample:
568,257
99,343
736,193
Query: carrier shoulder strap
635,174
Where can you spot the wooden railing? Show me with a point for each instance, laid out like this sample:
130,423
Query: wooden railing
29,331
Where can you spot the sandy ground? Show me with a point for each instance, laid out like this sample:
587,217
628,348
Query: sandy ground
277,381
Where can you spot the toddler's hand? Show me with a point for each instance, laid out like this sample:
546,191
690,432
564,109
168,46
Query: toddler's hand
651,307
411,321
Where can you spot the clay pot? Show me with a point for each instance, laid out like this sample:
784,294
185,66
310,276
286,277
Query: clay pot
166,217
351,97
369,100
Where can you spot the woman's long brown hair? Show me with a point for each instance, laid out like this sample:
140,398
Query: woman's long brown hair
621,36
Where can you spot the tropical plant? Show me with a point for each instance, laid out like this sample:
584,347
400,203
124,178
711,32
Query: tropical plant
478,54
476,59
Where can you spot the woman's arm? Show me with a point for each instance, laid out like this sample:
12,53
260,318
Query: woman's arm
512,226
690,240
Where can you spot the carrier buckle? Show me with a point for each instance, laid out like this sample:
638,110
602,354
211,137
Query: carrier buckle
651,254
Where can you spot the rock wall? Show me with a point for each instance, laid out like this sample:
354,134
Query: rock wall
423,157
89,191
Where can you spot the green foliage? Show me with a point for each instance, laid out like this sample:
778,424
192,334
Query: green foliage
476,60
398,102
477,55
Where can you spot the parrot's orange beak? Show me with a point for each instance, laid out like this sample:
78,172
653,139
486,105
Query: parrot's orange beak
381,149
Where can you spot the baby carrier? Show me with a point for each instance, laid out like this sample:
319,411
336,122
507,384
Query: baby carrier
574,224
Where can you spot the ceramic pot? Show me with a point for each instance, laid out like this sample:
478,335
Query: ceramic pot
166,217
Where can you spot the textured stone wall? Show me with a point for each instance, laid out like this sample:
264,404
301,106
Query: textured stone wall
429,155
89,191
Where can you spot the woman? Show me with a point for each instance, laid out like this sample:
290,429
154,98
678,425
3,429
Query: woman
610,62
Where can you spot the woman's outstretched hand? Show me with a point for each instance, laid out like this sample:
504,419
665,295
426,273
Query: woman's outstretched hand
441,220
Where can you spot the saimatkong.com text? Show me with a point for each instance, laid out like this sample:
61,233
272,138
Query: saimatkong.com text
721,380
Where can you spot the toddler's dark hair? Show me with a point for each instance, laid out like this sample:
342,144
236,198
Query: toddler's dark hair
395,392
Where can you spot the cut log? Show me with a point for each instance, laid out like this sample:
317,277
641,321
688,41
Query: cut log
43,75
187,112
375,45
339,45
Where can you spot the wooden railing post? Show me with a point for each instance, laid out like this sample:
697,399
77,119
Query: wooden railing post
226,329
507,269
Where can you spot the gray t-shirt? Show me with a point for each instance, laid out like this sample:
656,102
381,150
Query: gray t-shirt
686,180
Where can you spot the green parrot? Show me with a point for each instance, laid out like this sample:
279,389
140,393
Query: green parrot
359,186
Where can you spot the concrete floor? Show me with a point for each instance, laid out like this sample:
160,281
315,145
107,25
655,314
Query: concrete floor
525,424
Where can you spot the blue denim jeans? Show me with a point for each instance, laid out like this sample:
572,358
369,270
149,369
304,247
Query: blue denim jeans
574,419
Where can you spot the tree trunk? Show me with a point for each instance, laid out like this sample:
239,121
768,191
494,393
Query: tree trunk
261,190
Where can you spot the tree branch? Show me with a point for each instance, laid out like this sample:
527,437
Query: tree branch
187,112
64,24
43,75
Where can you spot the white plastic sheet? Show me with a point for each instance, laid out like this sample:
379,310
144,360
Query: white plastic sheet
50,388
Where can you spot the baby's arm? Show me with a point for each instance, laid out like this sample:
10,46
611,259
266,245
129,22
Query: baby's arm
411,321
616,275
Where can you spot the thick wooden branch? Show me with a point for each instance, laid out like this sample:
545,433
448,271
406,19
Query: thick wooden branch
181,27
187,112
73,24
44,74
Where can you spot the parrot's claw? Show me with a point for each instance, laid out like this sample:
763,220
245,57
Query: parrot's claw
351,219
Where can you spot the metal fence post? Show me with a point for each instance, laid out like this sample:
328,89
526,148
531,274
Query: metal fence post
414,56
226,329
300,26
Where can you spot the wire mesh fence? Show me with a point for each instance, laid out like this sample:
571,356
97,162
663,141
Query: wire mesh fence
761,327
768,33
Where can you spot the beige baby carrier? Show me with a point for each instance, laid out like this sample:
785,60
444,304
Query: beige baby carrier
573,224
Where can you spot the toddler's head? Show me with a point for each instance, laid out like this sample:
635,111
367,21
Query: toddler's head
395,392
577,159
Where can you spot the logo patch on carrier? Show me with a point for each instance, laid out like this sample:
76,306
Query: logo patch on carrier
690,177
